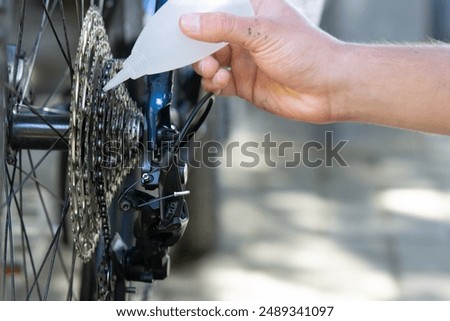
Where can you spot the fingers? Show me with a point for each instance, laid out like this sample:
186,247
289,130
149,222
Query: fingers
207,67
222,27
214,78
217,83
215,70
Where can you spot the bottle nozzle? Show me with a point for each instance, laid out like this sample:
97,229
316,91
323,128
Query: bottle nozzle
119,78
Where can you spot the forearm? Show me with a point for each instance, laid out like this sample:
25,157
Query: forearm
400,86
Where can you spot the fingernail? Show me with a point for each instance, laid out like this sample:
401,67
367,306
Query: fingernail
190,22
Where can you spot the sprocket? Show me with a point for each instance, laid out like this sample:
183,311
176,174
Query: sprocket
104,134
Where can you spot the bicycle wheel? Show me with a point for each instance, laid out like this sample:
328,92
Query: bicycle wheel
38,258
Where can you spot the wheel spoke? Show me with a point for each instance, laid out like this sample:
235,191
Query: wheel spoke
70,293
19,43
38,114
79,15
17,197
26,244
49,223
37,110
52,26
64,20
50,249
36,48
57,198
56,89
29,175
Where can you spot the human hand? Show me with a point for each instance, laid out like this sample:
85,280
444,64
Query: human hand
276,60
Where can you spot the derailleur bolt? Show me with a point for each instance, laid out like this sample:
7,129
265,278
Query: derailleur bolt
125,206
147,178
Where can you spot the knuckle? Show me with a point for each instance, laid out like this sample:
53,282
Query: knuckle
227,23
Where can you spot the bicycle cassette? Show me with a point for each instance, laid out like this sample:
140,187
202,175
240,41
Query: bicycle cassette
105,129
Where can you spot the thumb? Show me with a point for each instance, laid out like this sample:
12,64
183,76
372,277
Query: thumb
222,27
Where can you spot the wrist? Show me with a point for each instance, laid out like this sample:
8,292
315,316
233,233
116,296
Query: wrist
341,65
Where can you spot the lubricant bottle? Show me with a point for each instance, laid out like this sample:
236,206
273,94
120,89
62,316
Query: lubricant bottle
162,46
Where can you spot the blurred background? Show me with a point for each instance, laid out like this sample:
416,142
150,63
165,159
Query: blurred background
377,229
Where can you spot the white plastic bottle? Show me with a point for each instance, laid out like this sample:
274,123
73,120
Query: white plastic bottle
162,46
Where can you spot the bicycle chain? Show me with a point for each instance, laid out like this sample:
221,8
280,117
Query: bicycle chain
117,122
104,137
